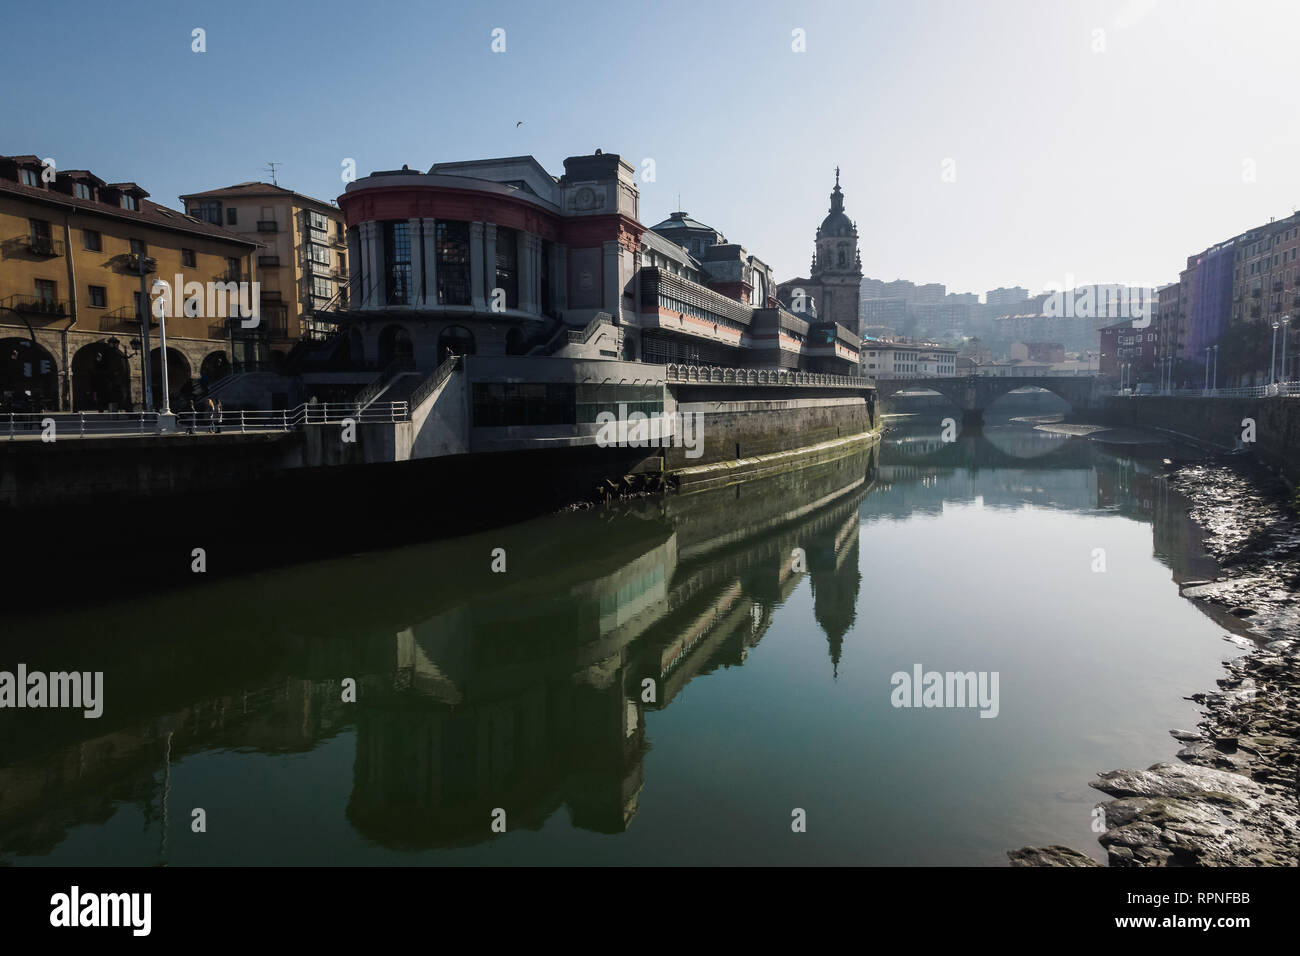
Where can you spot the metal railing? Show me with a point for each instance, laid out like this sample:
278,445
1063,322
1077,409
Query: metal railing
1276,390
430,384
718,375
52,426
396,367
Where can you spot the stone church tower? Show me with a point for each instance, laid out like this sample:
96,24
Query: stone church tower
837,265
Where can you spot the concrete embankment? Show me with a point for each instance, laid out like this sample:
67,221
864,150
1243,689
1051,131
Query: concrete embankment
109,513
1268,428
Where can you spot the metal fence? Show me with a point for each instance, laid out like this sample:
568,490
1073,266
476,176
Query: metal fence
1277,390
55,425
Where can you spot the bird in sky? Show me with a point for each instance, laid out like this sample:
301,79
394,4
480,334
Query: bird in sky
520,123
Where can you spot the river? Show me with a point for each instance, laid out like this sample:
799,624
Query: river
689,679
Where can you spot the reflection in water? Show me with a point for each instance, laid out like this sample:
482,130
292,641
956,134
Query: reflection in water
524,690
530,690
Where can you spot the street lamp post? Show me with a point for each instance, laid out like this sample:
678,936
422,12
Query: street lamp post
1272,365
1215,381
158,287
1286,321
1206,386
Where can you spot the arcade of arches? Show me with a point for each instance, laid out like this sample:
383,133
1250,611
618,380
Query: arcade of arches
102,374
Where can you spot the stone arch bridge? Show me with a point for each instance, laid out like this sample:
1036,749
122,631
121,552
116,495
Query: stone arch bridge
974,393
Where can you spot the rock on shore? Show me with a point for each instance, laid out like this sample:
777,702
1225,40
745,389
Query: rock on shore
1235,799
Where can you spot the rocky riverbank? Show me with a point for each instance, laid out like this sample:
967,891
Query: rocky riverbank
1234,800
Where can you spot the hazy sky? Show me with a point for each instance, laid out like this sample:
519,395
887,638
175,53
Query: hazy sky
1108,166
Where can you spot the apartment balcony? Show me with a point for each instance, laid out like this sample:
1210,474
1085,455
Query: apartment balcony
339,273
36,305
267,225
229,276
141,265
1256,293
1277,285
312,267
273,324
124,319
43,247
339,239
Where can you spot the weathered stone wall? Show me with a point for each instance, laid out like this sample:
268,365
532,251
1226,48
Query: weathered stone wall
743,426
1218,423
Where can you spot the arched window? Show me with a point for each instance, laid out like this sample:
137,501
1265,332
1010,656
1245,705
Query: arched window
455,340
394,343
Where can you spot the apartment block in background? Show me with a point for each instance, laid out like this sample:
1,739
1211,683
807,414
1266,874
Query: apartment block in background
303,266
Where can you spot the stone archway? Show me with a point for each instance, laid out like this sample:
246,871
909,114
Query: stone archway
101,379
29,377
214,367
178,376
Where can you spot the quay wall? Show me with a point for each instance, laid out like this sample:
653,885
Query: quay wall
1217,423
130,511
738,425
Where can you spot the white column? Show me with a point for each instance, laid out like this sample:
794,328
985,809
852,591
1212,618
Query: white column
612,293
357,272
476,269
559,277
529,247
429,227
414,233
489,260
371,249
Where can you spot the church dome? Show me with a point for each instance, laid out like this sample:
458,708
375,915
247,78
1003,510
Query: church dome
836,222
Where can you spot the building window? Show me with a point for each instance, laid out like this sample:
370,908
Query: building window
397,256
46,291
28,177
232,217
453,262
320,288
187,257
321,254
233,270
42,241
138,247
81,190
318,222
92,240
130,202
507,277
98,297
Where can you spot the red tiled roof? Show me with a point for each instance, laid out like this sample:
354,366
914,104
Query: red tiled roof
150,213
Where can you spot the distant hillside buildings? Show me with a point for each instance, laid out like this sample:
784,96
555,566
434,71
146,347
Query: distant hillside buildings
1228,306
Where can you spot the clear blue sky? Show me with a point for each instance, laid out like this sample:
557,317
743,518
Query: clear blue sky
1105,166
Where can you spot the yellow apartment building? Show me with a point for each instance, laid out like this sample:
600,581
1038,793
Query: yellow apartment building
73,250
303,264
